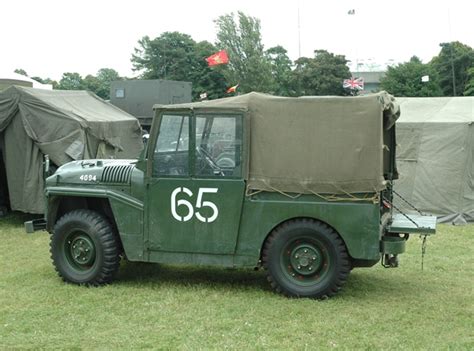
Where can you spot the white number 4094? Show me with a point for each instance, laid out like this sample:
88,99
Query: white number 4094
88,177
199,205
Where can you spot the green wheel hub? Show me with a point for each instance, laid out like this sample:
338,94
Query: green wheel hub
305,261
80,250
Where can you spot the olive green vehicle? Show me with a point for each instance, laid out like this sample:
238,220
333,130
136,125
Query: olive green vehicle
298,186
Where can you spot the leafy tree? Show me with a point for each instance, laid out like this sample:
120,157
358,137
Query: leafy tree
405,79
469,88
248,65
71,81
321,75
170,56
281,71
21,71
452,65
100,84
46,81
207,79
176,56
91,83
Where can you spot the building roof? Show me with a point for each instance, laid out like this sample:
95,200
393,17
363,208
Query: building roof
370,77
18,77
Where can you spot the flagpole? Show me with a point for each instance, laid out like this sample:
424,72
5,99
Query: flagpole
352,13
299,31
452,60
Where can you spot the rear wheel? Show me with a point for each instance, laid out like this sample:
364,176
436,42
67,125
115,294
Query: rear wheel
84,248
306,258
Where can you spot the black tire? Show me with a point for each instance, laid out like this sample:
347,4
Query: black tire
84,248
305,258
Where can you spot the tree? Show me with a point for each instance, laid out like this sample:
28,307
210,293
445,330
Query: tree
100,84
46,81
405,79
21,71
176,56
321,75
248,65
170,56
281,71
452,65
469,88
71,81
206,79
91,83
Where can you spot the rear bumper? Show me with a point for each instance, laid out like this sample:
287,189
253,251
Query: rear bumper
393,245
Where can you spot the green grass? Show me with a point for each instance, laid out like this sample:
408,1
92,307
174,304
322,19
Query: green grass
165,307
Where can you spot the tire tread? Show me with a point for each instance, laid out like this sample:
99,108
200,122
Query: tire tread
342,274
106,236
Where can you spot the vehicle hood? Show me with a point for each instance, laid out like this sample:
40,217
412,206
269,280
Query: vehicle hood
93,172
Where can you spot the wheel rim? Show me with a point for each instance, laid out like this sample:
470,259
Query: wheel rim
305,261
80,251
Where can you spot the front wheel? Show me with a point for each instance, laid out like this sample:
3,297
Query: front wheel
306,258
84,248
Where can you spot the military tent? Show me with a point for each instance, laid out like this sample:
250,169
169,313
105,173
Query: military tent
435,138
66,125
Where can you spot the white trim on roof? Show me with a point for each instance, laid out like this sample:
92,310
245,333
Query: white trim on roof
16,76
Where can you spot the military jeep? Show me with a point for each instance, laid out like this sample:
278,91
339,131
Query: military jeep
301,187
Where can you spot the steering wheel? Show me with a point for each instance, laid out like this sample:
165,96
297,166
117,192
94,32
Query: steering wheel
210,160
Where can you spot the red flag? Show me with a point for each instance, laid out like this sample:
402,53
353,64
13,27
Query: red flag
232,89
218,58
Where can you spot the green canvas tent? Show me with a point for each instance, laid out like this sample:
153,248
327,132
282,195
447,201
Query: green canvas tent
66,125
435,138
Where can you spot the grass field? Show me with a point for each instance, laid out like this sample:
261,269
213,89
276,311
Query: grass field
151,306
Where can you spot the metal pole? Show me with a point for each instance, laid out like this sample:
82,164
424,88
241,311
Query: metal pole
451,52
299,31
352,13
452,71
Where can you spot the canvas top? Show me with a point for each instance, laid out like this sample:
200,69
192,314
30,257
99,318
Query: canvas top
323,145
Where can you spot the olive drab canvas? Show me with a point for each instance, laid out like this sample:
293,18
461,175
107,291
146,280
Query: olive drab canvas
67,126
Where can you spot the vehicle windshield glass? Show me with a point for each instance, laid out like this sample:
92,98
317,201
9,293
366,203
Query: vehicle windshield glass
171,151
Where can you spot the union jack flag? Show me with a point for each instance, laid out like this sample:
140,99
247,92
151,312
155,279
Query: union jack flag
354,83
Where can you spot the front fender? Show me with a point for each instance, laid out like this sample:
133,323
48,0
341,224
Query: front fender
127,212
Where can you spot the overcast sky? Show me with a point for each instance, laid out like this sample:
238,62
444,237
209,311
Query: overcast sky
47,38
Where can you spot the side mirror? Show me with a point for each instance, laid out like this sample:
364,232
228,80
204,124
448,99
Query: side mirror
145,138
141,162
46,166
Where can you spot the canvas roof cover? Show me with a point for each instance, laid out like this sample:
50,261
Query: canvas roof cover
320,145
435,139
66,125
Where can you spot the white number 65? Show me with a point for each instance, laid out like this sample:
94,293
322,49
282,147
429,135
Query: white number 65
199,204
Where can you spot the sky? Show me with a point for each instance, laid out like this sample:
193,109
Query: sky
49,37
